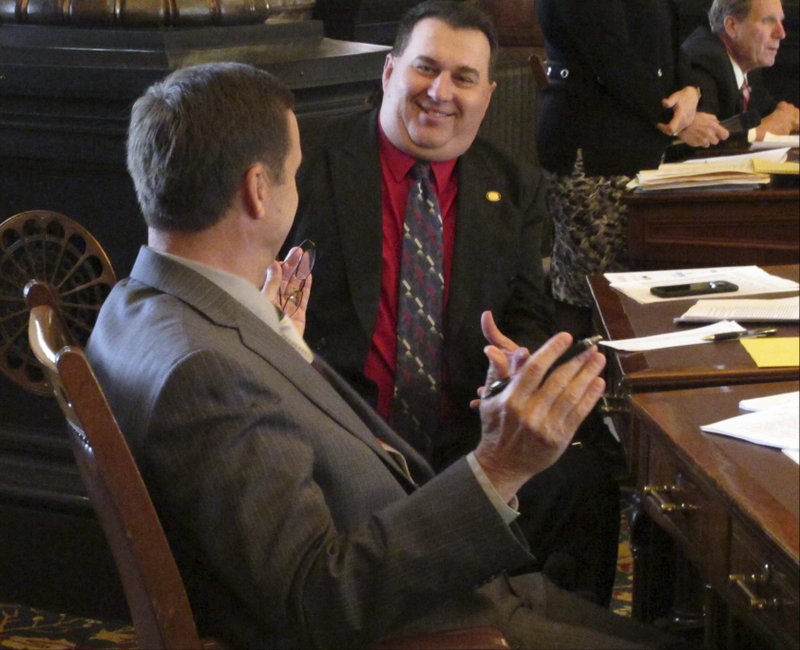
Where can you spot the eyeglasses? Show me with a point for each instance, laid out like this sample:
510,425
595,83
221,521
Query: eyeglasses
300,264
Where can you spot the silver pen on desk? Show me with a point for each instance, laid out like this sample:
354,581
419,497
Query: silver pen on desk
733,336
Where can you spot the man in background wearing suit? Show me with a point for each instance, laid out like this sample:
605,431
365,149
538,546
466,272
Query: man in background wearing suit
292,518
353,184
744,36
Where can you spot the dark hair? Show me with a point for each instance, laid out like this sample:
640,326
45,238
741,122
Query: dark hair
458,15
721,9
193,135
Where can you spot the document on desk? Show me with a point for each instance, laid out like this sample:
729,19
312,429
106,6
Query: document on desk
770,154
717,171
692,336
760,310
772,141
789,401
751,280
773,421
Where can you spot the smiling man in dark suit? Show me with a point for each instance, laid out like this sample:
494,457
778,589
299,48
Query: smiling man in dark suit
354,183
744,36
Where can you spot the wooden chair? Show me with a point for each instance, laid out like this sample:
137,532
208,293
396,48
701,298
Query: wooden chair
153,586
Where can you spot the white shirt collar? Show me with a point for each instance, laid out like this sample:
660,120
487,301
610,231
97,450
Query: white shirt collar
741,77
246,294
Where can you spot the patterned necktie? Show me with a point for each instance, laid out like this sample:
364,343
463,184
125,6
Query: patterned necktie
745,94
415,407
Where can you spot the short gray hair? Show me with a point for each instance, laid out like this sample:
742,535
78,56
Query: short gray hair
193,135
721,9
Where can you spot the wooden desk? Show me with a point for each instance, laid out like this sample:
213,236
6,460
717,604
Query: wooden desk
633,380
619,317
733,508
724,228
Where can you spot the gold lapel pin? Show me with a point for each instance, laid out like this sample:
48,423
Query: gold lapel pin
493,196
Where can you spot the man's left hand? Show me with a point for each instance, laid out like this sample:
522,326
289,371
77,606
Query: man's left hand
283,289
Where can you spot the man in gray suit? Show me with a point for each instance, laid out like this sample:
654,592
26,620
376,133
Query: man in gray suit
298,517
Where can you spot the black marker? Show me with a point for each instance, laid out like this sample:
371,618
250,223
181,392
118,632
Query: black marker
497,387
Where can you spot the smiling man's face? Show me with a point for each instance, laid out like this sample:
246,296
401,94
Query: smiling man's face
436,91
754,41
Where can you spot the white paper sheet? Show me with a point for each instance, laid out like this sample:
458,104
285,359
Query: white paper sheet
673,339
772,428
772,141
774,153
761,310
787,401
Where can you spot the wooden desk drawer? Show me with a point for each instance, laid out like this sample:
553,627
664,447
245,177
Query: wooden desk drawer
678,501
762,588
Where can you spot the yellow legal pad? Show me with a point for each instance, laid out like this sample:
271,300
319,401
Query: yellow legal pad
774,352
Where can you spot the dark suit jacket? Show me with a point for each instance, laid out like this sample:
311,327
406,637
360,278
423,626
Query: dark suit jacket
292,526
712,71
623,61
496,261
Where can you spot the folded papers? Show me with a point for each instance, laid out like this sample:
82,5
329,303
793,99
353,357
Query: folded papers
749,169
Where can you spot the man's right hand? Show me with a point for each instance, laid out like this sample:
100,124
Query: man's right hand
782,121
530,424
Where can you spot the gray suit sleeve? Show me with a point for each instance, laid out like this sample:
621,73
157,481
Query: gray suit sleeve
301,518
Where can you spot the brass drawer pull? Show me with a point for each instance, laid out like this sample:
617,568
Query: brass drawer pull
744,582
614,404
665,504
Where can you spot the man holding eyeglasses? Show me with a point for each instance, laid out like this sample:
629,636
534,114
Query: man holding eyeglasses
354,186
297,517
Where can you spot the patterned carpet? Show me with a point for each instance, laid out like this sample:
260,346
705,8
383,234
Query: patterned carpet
26,628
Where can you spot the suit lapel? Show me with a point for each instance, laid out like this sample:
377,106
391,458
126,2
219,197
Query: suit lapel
476,217
355,171
216,305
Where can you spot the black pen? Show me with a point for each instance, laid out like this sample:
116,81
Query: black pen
732,336
497,387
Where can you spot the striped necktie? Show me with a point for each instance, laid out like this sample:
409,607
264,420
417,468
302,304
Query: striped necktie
745,94
416,407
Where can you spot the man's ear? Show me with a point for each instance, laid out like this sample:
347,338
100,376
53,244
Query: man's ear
388,68
254,189
730,23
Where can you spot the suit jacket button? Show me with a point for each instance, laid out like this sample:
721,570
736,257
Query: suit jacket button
660,73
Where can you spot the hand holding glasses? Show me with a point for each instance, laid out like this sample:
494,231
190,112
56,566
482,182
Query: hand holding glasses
296,269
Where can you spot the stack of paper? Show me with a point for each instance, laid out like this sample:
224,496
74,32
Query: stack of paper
751,280
744,169
774,421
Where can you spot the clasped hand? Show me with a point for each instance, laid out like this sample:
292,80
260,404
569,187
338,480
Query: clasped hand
527,427
282,286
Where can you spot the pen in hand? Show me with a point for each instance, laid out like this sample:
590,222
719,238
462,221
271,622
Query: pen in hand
733,336
497,387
